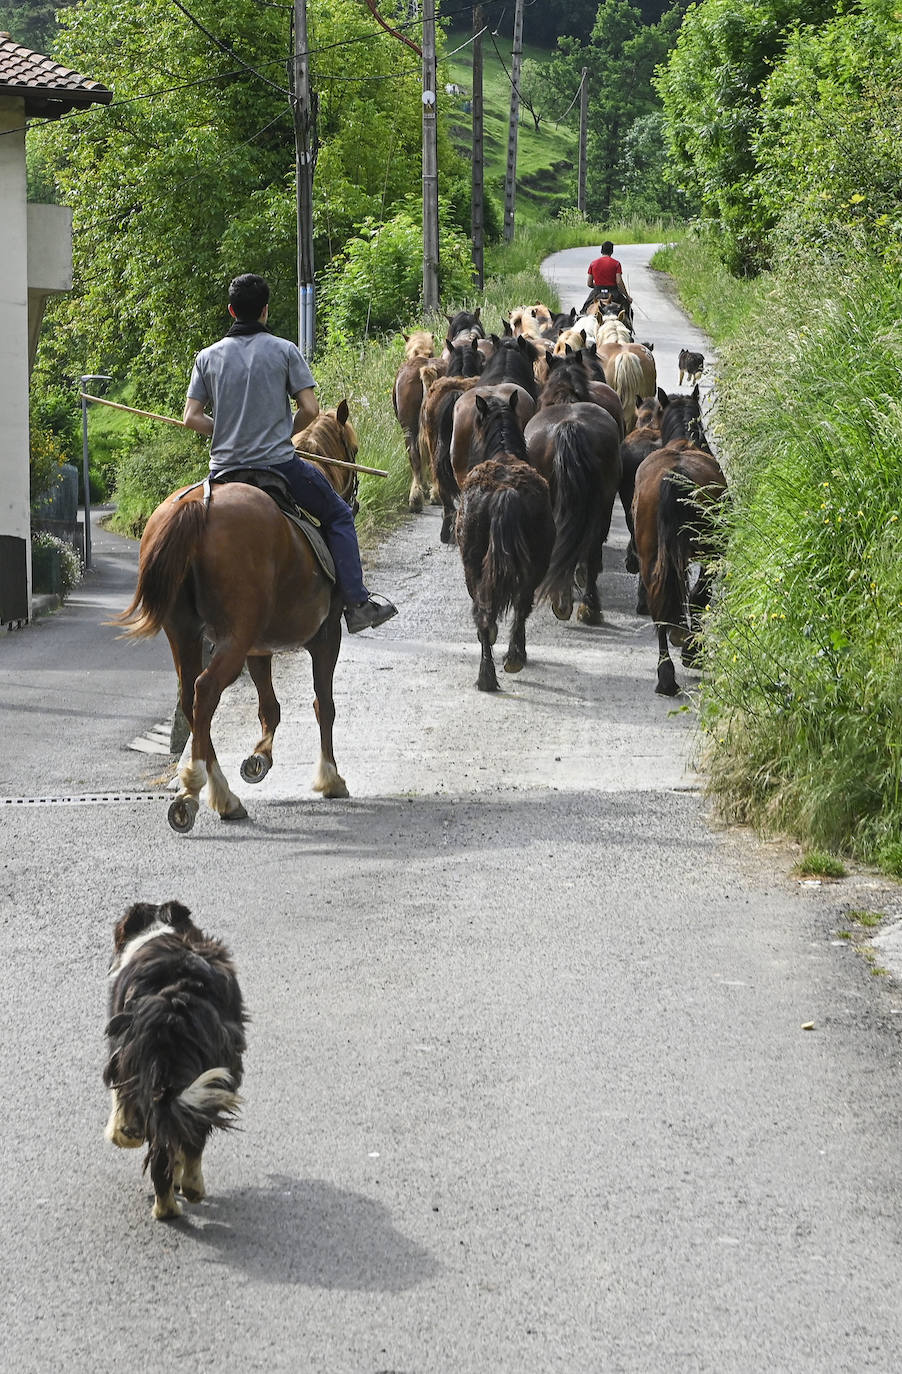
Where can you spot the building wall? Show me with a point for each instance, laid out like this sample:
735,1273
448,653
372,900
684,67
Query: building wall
14,494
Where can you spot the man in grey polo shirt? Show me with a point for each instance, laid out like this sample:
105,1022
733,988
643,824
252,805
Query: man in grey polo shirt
247,378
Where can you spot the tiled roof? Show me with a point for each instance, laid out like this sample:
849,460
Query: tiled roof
48,87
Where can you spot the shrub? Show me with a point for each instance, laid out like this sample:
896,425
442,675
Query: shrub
46,455
70,568
147,473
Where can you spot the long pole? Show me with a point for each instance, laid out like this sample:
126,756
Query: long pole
477,205
87,479
510,184
304,158
430,161
583,123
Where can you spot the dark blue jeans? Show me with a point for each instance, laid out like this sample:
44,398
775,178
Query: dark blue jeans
312,491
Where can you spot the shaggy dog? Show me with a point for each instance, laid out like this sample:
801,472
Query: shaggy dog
176,1035
691,365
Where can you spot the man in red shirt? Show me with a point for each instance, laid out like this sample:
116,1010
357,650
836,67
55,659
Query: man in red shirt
606,271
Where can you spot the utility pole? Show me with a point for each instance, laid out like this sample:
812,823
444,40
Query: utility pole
510,185
430,161
583,122
304,159
477,211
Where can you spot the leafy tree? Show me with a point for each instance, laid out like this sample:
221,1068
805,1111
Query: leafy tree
621,55
188,177
711,89
830,140
32,22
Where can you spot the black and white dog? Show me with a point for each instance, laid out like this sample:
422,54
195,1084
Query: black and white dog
176,1034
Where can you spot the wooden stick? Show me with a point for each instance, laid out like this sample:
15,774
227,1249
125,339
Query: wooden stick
169,420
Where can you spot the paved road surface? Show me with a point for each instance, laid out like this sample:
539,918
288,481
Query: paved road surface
527,1087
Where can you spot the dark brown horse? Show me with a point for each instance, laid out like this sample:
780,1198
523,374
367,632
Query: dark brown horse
467,437
240,574
576,447
679,489
505,532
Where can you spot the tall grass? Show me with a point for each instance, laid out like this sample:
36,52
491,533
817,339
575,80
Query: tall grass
803,701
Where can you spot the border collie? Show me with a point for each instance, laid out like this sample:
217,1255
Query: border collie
176,1036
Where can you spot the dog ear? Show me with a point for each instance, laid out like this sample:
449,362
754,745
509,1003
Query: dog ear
175,915
138,917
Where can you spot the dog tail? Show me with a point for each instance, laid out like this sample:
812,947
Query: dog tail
211,1100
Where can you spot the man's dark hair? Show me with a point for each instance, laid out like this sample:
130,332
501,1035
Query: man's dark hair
248,294
607,249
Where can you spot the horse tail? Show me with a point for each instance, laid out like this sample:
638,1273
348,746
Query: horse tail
667,581
628,383
577,486
167,551
508,558
445,479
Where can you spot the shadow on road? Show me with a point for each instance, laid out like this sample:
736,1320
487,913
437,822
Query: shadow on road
305,1231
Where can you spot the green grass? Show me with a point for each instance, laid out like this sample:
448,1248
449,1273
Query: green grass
545,158
803,698
815,864
867,919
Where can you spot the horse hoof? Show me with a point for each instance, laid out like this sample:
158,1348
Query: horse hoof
513,665
678,636
667,683
415,504
588,615
631,562
237,813
488,684
445,532
562,611
642,607
182,814
255,768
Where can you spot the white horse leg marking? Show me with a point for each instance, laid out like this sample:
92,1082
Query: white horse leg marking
220,796
328,780
192,776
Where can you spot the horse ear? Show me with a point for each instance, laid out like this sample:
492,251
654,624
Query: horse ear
583,336
449,343
695,392
405,337
449,318
476,312
342,413
573,314
568,351
482,404
507,329
663,397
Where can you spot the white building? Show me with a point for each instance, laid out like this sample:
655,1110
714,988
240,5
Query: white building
35,262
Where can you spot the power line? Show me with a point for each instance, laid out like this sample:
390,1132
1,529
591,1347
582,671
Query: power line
227,48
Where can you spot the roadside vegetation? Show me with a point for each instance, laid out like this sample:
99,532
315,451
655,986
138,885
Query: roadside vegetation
795,273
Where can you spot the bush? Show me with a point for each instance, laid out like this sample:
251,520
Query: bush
45,456
377,282
47,553
147,473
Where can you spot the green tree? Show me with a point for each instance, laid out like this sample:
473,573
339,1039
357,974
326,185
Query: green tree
711,87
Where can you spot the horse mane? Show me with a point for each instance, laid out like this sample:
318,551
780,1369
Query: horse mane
465,319
465,361
500,428
681,418
419,344
567,381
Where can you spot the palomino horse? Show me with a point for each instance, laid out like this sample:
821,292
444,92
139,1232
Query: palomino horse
630,369
678,491
236,571
407,401
505,532
576,446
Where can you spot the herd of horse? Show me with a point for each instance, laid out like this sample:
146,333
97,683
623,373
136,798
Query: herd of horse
529,438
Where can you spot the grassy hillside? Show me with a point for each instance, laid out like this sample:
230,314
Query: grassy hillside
545,160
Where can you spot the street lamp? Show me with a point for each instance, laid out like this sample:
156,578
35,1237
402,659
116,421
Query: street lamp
90,377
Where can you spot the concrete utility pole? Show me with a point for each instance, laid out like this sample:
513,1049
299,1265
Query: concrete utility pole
477,204
430,161
510,184
583,122
304,160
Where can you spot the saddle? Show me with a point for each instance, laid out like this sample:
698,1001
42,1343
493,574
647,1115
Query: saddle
275,485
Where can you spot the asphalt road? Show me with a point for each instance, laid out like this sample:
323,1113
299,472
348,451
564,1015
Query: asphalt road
528,1087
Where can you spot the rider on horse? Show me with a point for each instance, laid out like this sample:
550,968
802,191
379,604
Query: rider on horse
247,377
605,275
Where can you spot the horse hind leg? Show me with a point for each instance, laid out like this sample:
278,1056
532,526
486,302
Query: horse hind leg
515,658
667,685
255,768
417,496
487,680
324,648
224,668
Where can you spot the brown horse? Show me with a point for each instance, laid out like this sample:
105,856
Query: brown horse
678,491
505,532
467,435
407,401
331,435
576,447
237,572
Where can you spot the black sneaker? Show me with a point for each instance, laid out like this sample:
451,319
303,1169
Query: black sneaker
369,614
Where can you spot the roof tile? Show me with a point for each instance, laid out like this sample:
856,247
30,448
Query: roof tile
26,73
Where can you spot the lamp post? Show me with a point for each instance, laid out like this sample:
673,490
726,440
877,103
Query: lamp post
90,377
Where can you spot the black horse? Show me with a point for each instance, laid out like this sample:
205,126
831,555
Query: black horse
505,532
